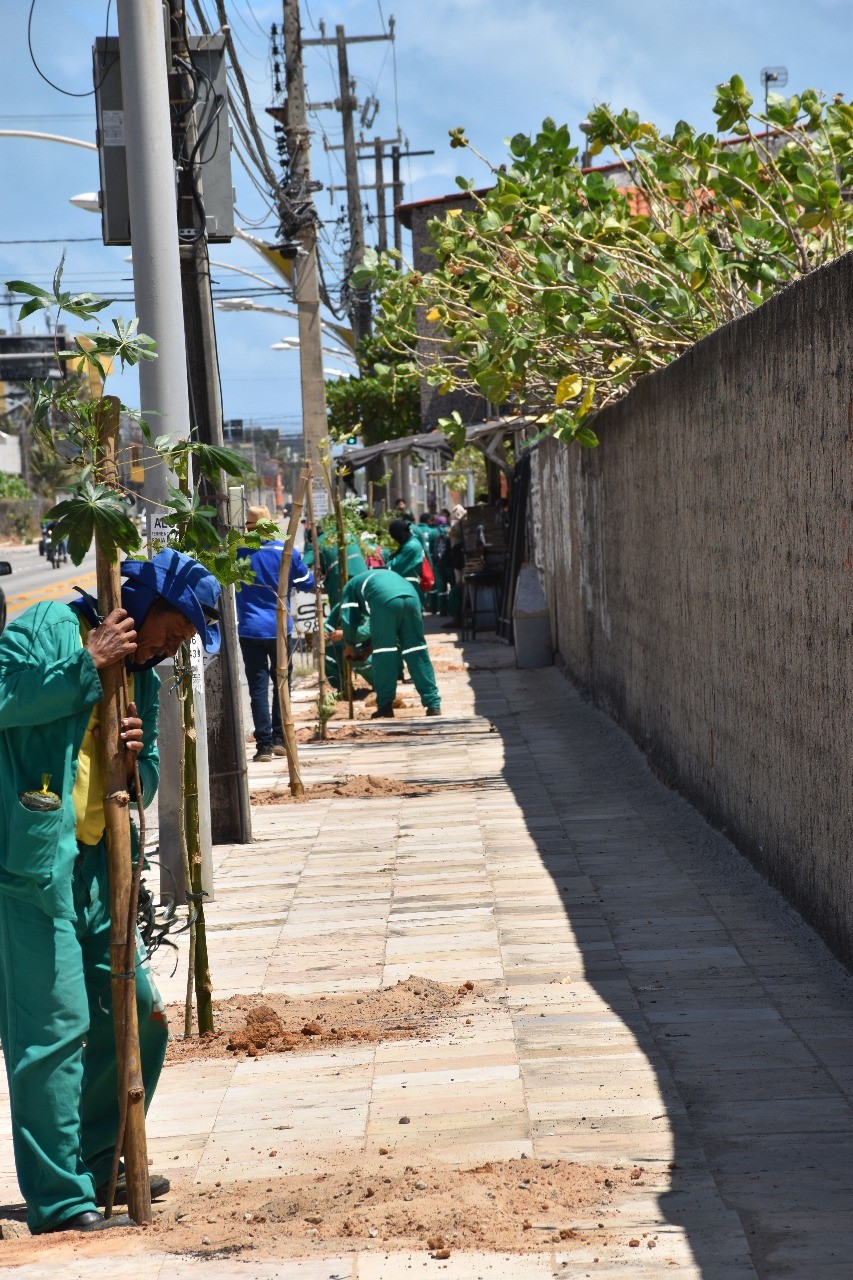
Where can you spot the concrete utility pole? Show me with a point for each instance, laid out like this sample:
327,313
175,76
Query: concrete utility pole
163,387
154,224
228,819
359,309
314,424
381,214
396,195
379,146
360,305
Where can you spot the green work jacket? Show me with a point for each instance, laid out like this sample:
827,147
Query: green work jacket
365,595
335,652
422,532
330,567
48,687
408,560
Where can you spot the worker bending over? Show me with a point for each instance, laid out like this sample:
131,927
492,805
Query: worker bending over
393,608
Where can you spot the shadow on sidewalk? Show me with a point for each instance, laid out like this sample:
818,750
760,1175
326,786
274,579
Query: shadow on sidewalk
737,1006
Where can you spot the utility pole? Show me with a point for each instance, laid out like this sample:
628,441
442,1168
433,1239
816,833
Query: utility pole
379,146
163,387
299,219
151,195
396,195
226,816
382,227
359,303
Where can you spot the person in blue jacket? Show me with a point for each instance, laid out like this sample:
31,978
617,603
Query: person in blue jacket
256,629
56,1020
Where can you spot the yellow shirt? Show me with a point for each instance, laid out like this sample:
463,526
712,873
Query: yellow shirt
88,794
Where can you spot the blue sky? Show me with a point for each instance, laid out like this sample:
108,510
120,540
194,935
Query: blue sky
495,66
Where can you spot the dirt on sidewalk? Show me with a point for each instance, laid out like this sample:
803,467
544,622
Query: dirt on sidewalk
358,786
257,1025
378,1200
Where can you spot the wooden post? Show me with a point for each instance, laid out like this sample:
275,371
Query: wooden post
318,596
199,963
117,824
297,787
343,579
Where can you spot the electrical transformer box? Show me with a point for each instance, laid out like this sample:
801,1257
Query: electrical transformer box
212,166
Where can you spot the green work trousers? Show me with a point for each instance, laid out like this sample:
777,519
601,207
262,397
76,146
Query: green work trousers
56,1027
397,626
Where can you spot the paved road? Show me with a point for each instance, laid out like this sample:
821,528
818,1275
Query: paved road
32,579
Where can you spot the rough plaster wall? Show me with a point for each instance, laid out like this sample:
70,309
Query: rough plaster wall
698,570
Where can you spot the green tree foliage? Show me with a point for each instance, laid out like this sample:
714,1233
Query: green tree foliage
554,292
13,486
382,403
96,508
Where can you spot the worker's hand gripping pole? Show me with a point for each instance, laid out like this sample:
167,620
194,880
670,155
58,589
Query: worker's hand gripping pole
122,880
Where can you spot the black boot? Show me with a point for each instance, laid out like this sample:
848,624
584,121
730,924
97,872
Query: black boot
383,713
159,1186
90,1220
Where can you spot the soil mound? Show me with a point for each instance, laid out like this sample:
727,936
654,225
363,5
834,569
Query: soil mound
359,786
277,1024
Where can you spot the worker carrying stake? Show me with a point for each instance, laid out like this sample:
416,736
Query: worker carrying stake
56,1011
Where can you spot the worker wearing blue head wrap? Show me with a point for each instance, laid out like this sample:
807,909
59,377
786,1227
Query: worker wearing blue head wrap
56,1021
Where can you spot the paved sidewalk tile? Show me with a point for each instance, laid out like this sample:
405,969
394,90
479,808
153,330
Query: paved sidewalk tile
647,1000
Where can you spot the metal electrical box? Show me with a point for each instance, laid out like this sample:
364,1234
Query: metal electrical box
213,167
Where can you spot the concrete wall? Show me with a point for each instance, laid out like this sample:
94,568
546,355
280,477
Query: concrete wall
698,568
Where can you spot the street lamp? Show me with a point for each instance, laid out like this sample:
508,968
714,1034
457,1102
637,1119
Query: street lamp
88,200
292,344
249,304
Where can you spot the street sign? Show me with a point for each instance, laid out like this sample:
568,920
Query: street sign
320,494
303,610
160,531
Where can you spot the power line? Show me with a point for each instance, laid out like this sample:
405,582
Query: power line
53,115
67,92
58,240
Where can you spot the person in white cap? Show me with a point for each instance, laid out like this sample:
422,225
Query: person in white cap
256,629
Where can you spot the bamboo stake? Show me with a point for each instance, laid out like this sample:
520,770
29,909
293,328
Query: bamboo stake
199,964
343,579
185,854
120,869
297,787
318,596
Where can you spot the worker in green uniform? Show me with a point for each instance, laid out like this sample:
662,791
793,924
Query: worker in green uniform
56,1022
363,661
408,560
329,562
396,630
421,531
427,531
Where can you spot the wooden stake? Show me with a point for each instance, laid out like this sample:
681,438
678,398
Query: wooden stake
120,868
343,579
199,964
318,596
297,787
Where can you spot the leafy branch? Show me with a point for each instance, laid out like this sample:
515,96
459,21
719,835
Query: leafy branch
556,290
